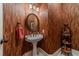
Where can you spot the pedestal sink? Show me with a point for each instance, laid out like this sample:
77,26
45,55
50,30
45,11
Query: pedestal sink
34,38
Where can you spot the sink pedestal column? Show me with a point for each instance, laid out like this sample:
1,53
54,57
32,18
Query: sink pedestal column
34,48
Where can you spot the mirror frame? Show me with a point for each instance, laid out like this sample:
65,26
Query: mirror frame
27,25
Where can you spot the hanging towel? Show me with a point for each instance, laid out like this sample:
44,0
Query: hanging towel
20,33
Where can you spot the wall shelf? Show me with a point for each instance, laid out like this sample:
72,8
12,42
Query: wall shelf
66,41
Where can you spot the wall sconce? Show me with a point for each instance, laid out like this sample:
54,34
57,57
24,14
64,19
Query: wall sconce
43,31
34,8
37,9
30,6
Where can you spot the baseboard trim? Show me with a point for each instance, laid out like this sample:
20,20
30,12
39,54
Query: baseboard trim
43,52
56,53
29,53
46,54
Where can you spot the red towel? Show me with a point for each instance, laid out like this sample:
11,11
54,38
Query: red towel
20,33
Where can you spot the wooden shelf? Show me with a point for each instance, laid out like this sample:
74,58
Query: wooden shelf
67,51
66,40
67,43
66,34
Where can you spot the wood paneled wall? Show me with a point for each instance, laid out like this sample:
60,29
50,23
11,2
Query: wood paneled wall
55,23
71,17
44,44
12,14
51,18
58,15
18,12
52,25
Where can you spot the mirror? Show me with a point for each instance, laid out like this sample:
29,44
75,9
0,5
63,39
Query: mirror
32,23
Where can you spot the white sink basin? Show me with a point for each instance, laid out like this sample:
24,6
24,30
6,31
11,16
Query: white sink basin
34,38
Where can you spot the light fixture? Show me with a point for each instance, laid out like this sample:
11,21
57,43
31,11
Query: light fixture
30,6
43,31
37,9
34,8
